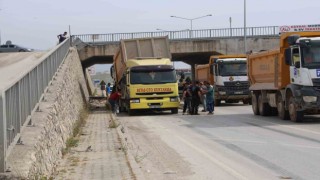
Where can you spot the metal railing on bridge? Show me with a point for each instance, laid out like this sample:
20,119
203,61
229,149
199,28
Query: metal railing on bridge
21,99
184,34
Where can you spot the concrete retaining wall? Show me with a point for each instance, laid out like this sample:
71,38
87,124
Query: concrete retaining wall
43,141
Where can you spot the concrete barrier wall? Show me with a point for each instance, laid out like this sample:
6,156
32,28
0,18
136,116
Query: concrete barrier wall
53,124
90,84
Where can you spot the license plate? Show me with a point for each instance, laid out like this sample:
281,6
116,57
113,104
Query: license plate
154,106
238,92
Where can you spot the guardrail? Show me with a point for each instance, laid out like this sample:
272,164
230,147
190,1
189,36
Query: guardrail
184,34
21,99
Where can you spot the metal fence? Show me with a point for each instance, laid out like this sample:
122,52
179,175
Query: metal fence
21,99
184,34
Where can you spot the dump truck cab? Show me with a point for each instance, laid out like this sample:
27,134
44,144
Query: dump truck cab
303,57
286,81
230,78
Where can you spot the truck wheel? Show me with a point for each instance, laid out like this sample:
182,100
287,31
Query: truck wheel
174,111
264,108
130,111
282,112
245,101
217,102
295,116
254,102
229,101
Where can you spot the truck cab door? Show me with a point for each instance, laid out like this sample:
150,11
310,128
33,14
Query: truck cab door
295,66
298,74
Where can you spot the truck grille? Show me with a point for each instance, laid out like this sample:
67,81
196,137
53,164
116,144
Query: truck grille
316,82
237,87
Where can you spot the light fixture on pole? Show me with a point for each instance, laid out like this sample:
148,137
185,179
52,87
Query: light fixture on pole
158,29
245,28
191,19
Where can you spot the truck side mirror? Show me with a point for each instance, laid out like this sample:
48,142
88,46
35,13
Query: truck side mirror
287,56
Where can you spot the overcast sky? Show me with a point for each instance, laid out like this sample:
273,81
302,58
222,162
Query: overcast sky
36,23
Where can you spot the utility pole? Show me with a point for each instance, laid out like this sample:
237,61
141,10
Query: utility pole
230,20
245,28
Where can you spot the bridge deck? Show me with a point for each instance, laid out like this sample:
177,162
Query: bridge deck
15,65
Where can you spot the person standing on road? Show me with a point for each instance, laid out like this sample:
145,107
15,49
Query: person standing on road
102,87
108,90
113,100
195,100
186,96
62,37
209,97
203,89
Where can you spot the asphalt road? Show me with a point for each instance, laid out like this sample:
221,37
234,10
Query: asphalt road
15,65
231,144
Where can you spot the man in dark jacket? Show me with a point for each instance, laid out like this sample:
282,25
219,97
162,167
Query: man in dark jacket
195,99
62,37
186,96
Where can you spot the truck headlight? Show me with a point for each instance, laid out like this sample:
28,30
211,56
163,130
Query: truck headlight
174,99
309,98
222,93
134,100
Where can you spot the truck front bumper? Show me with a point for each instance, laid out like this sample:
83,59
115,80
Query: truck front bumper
165,103
310,99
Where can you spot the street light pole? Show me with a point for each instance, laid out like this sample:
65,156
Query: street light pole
230,20
191,19
245,28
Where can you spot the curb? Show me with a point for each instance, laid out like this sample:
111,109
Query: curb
122,131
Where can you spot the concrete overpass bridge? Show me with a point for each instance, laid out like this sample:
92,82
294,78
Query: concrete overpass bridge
192,47
40,105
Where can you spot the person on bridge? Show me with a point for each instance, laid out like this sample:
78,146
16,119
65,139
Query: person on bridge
62,37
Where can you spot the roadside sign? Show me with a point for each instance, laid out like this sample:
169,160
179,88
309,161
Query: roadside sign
92,70
299,28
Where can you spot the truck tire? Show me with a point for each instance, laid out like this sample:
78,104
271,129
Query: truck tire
282,112
254,102
217,102
174,111
295,116
264,108
246,101
130,112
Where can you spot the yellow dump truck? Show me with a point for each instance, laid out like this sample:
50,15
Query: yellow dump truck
229,75
286,81
143,70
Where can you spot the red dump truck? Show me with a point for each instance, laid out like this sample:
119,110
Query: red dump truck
286,81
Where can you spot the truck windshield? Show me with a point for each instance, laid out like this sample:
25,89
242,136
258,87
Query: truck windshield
311,56
233,69
153,77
